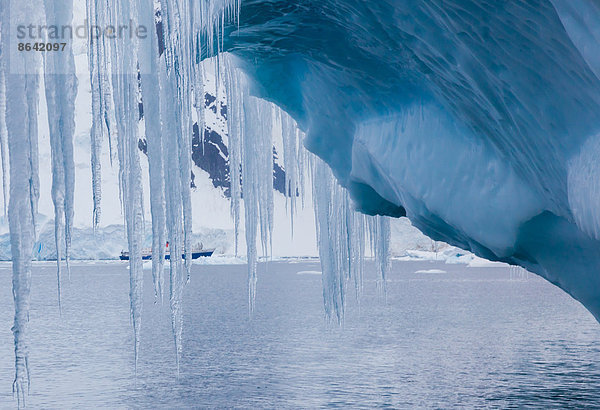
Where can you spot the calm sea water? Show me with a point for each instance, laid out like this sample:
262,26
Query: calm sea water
467,337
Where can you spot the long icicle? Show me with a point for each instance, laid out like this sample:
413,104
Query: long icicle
61,89
171,106
382,251
3,135
173,187
185,85
324,192
22,91
234,129
125,93
95,60
289,132
148,59
245,153
341,237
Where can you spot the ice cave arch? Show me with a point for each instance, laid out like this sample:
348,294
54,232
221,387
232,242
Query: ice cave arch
479,120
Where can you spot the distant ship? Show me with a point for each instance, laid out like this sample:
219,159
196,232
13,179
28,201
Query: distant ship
197,252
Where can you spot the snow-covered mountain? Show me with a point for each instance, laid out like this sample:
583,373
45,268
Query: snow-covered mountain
210,179
212,222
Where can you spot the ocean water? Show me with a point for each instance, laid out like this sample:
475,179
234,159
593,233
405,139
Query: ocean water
463,338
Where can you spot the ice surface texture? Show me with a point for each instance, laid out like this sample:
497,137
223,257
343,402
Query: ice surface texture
478,119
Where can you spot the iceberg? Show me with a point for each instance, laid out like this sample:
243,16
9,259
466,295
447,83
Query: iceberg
478,121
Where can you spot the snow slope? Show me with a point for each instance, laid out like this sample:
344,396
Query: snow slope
212,223
479,120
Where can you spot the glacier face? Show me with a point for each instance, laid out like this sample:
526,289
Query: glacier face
479,120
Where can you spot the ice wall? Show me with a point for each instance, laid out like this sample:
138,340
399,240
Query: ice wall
478,120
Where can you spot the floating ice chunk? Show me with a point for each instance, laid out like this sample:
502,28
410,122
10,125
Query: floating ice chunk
431,271
309,272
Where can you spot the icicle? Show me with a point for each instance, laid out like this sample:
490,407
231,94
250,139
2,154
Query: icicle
199,101
125,93
235,125
341,237
381,241
61,90
302,165
173,213
250,122
3,135
290,163
34,181
95,60
21,122
148,60
105,52
257,183
250,184
103,114
356,250
177,83
259,128
324,192
185,144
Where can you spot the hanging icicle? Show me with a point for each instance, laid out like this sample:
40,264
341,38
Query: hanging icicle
329,218
356,223
259,131
341,238
290,135
250,123
3,134
22,90
103,114
341,230
380,236
235,124
150,86
61,89
176,107
125,95
95,59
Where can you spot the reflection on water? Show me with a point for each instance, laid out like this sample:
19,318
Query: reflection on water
467,337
